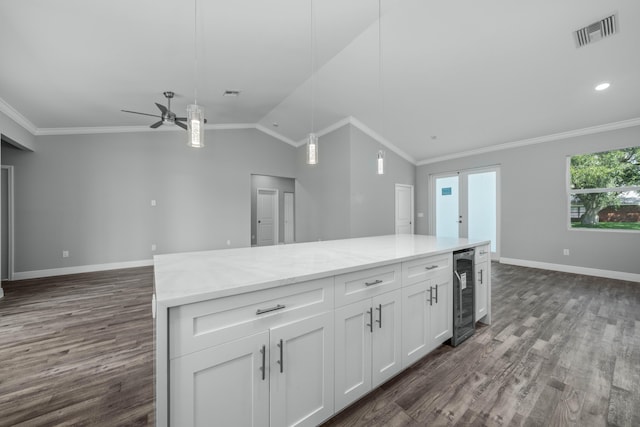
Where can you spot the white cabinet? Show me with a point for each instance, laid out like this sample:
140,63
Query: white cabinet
482,294
367,349
427,318
222,385
301,388
280,373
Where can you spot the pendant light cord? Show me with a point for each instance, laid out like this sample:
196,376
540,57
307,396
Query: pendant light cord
380,65
195,51
313,67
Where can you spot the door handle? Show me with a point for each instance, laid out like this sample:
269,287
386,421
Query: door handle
281,361
379,321
263,350
436,293
370,324
430,295
481,276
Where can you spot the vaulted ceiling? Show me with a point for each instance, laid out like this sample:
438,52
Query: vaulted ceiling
432,79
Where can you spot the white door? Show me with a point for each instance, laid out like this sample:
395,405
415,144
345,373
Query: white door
289,224
302,372
386,354
267,216
465,204
441,312
226,385
353,352
404,209
415,321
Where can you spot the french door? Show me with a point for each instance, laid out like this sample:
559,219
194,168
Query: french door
465,204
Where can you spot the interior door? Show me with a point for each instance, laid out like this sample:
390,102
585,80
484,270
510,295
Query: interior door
404,209
465,204
288,218
267,216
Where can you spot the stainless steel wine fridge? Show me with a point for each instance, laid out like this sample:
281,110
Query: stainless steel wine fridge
464,322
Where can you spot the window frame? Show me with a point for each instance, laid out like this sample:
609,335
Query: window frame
571,191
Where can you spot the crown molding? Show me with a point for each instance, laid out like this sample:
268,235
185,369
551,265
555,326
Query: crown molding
14,115
275,135
538,140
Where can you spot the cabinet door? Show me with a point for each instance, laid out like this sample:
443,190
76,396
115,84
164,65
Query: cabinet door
441,316
386,354
481,289
415,322
301,382
352,352
222,385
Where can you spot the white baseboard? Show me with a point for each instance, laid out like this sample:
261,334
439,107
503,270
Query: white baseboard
609,274
35,274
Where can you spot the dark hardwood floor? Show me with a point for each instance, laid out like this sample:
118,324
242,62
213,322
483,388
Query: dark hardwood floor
563,350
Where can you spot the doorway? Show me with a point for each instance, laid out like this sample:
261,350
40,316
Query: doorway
466,204
404,209
282,228
267,216
6,217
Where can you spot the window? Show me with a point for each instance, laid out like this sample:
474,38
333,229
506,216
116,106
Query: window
604,190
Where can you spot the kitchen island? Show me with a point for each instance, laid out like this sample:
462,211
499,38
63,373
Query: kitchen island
291,334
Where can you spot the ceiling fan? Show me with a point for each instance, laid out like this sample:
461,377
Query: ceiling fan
167,116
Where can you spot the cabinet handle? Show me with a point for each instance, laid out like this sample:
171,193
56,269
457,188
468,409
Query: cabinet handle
436,293
430,295
379,321
370,324
375,282
483,252
460,300
431,268
267,310
481,276
281,361
263,350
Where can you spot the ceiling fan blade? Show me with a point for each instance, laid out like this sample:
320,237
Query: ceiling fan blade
162,108
182,125
144,114
156,124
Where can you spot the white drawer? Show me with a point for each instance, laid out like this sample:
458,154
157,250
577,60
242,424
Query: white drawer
421,269
482,253
359,285
204,324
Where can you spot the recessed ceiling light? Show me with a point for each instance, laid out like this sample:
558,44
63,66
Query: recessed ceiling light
231,93
603,86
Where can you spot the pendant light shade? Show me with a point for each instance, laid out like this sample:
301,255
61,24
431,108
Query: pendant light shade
195,126
380,162
312,149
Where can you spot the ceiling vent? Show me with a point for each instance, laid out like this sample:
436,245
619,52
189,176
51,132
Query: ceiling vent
598,30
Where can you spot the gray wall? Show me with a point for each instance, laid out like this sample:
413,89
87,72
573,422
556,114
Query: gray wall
281,184
372,195
534,203
342,196
91,194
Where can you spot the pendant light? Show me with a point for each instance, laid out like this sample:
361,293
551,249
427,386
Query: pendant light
380,152
312,138
195,113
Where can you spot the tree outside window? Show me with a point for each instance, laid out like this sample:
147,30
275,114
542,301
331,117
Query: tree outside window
605,189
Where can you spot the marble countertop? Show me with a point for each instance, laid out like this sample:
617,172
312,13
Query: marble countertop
185,278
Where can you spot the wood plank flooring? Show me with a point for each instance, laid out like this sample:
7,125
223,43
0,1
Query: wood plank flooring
563,350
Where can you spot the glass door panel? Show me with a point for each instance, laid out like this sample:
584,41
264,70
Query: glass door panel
447,209
481,223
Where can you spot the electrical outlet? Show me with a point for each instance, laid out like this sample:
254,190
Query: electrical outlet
153,247
65,254
228,242
565,251
153,203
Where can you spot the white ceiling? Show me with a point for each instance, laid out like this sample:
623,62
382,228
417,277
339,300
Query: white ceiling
474,74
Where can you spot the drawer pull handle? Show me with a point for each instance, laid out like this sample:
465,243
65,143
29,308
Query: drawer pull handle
375,282
263,350
281,361
483,252
379,321
267,310
431,268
